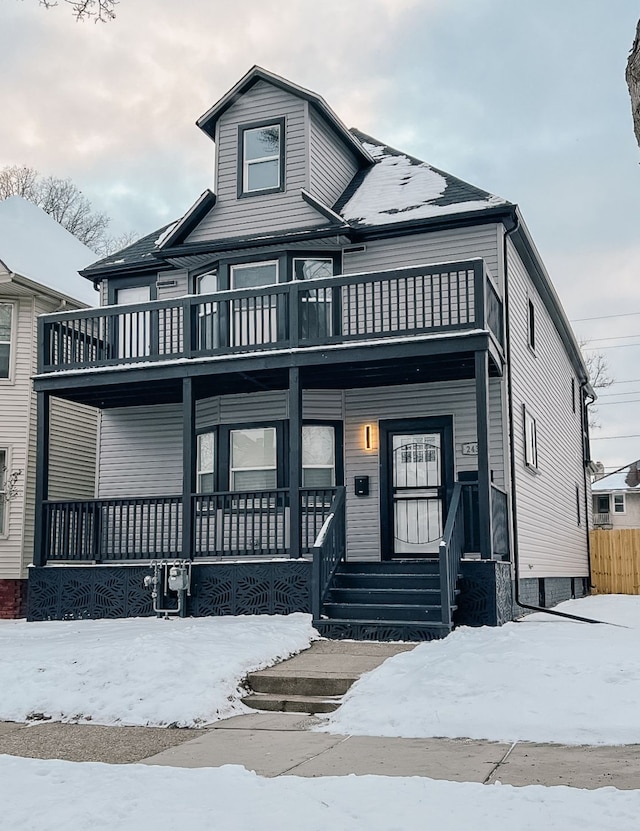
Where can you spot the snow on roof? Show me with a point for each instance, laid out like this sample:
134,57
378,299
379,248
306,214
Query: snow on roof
33,245
399,188
627,478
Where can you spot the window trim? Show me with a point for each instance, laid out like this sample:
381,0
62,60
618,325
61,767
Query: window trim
242,191
578,508
600,496
338,447
530,460
213,431
624,504
12,341
115,284
253,264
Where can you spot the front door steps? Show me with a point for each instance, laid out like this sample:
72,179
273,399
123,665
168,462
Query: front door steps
315,680
396,600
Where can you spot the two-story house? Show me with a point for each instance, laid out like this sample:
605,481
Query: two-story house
39,264
341,383
616,498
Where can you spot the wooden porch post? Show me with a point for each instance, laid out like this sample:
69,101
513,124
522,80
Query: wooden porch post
484,473
295,462
42,476
188,465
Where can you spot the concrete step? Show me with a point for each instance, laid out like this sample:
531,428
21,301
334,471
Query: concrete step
383,596
292,703
285,684
386,612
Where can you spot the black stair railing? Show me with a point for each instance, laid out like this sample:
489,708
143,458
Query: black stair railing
451,551
328,551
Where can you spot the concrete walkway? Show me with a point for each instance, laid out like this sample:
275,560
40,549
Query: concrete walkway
278,744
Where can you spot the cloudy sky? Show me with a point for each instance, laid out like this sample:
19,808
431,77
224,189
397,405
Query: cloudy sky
526,99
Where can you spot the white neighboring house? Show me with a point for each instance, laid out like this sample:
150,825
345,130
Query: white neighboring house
616,498
39,264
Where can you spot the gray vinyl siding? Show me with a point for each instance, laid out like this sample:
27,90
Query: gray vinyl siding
72,453
369,406
436,246
551,544
141,447
179,289
252,215
331,164
140,451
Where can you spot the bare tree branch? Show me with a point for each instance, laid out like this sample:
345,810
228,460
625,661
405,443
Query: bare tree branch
62,200
632,76
97,10
599,376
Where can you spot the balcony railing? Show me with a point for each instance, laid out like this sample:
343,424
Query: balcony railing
409,301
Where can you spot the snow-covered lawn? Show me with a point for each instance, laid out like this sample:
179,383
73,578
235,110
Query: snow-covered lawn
141,671
544,679
59,796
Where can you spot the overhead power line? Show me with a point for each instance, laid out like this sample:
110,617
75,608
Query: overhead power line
603,317
608,438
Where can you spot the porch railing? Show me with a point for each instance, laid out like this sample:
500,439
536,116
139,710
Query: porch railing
102,530
329,551
452,549
499,522
229,524
409,301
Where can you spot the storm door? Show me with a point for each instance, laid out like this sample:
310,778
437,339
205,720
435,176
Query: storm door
416,483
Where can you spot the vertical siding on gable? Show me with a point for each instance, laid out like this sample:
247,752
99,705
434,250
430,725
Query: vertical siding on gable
368,406
72,450
332,165
232,217
432,247
550,541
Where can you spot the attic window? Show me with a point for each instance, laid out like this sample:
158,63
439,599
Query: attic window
262,158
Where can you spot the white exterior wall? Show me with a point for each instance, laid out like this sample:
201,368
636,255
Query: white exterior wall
551,543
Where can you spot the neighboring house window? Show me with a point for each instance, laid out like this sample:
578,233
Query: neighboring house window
253,459
205,463
3,480
318,456
618,503
530,440
6,315
532,326
262,158
315,309
602,504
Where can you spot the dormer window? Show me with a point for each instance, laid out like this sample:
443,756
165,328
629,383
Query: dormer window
262,158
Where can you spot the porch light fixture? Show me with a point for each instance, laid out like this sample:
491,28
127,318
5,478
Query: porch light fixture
368,437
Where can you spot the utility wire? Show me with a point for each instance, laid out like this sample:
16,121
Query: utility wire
605,438
604,317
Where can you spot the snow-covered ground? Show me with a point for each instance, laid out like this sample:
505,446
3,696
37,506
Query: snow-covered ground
59,796
141,671
544,679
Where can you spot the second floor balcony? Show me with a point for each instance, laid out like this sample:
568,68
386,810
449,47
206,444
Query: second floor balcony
402,303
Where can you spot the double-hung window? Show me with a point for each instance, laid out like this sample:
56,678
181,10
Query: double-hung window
318,456
315,308
253,460
530,440
208,330
205,463
254,319
6,320
262,158
618,503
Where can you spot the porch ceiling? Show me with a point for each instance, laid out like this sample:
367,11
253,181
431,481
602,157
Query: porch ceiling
326,375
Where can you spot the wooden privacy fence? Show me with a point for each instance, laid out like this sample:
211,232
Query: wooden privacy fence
615,561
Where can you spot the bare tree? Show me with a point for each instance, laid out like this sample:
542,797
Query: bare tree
599,376
97,10
633,82
62,200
